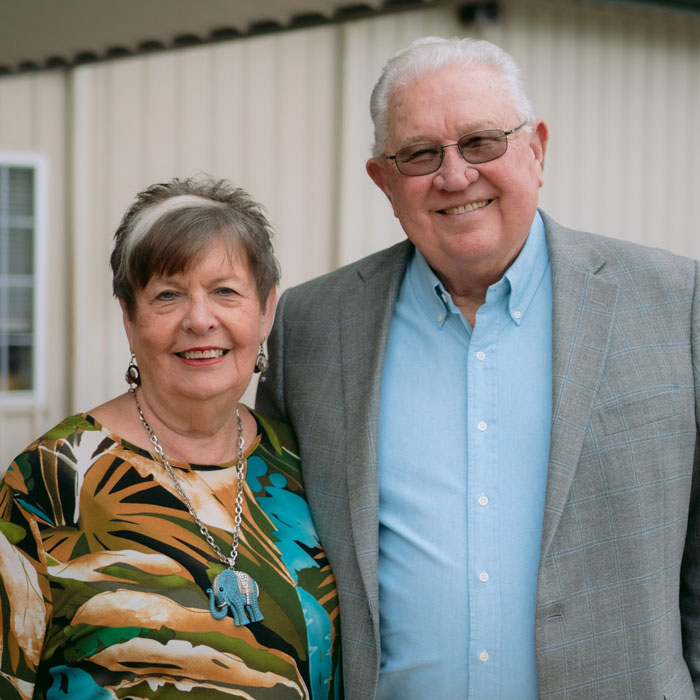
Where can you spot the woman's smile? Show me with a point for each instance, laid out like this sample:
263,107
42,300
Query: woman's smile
198,354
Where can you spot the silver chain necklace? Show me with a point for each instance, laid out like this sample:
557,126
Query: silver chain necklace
230,589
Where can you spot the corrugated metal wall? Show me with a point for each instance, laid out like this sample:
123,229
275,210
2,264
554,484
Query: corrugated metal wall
33,120
286,117
621,91
261,112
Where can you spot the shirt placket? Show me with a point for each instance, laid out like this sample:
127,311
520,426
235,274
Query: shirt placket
483,500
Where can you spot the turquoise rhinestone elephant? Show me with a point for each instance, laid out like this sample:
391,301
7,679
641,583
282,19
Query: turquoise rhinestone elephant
237,590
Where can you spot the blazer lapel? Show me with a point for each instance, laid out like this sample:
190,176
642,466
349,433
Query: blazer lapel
583,308
365,318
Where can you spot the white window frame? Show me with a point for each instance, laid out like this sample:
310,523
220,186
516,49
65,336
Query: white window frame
35,396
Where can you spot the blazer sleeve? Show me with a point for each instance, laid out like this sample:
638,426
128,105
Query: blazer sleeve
690,568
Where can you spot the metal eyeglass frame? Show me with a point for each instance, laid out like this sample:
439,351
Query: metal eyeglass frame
506,134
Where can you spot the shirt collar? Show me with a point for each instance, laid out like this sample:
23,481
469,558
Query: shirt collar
523,278
525,274
430,294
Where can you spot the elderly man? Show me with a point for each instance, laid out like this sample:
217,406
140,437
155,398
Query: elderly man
497,418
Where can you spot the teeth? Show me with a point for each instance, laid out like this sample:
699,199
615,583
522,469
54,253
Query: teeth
464,208
201,354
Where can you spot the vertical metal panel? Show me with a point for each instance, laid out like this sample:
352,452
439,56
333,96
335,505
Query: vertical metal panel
366,221
301,154
194,86
16,101
230,119
107,154
619,88
161,124
33,120
89,320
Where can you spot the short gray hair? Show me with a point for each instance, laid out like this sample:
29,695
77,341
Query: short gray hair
427,55
170,226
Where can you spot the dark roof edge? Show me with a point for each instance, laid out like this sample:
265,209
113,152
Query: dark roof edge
682,5
467,11
146,46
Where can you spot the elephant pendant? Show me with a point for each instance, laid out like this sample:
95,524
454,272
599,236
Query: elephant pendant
239,592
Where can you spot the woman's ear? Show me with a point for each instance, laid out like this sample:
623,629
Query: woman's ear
126,320
269,311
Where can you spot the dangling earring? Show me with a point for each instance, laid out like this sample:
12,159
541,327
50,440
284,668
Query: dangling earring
133,376
261,363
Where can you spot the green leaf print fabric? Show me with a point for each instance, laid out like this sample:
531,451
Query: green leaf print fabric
105,575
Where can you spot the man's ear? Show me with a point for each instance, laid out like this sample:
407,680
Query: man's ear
377,171
538,143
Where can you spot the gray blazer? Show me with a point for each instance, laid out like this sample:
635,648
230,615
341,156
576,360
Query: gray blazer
618,598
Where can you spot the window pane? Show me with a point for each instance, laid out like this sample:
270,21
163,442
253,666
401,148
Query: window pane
20,256
20,368
19,313
21,191
17,296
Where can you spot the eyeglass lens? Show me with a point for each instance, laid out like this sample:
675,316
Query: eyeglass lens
425,158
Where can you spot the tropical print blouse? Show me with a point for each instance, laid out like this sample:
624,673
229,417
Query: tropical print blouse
105,575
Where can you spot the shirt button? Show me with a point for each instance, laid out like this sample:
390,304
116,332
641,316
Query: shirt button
483,577
516,314
481,425
440,317
481,355
483,501
484,656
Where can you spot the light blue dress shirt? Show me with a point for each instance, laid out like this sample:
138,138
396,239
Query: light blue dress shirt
463,450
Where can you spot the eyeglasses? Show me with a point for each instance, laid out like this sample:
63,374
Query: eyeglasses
479,147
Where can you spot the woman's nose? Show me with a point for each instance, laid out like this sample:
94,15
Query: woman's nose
200,317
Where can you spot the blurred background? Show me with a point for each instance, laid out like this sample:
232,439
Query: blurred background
99,99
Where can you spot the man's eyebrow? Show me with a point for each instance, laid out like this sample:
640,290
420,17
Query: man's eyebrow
472,128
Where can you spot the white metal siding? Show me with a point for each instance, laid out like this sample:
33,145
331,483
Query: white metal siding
286,117
32,121
620,90
261,112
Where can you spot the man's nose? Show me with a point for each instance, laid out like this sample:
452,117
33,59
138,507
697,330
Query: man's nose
454,172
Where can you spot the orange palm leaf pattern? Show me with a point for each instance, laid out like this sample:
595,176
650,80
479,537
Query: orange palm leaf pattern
105,575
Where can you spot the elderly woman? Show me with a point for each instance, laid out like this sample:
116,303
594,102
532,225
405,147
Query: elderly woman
160,545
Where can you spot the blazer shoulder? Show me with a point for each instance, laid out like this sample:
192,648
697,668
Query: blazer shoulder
385,263
613,257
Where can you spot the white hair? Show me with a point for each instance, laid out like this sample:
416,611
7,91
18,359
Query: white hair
147,218
427,55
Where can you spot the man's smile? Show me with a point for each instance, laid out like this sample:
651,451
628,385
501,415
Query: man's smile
464,208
